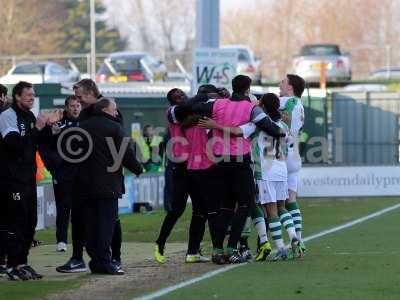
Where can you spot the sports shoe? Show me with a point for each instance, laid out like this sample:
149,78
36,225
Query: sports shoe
32,273
281,254
117,264
116,269
158,255
117,272
111,269
36,243
236,258
72,266
245,252
203,258
15,274
61,247
264,251
295,247
218,258
196,258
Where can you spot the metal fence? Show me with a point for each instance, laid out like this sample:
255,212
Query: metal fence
365,128
352,129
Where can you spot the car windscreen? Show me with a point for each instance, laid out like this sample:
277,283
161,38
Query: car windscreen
29,69
126,64
243,55
323,50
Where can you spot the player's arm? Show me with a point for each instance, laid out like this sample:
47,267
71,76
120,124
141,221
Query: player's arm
264,122
245,130
297,120
196,105
12,138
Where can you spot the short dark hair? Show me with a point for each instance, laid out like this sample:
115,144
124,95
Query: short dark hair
241,83
207,89
147,126
102,104
19,88
298,84
170,95
70,98
3,90
87,85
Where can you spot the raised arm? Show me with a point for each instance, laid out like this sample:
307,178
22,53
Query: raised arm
264,122
211,124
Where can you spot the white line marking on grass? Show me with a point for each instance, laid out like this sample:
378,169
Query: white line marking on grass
351,223
207,275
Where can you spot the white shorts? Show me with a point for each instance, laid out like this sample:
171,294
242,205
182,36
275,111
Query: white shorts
293,163
292,181
271,191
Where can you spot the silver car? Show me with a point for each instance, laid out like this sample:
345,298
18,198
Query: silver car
40,72
248,64
309,62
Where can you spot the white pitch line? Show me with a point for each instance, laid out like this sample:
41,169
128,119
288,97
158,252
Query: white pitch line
207,275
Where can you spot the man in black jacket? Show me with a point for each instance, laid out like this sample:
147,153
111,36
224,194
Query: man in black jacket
62,171
110,151
88,94
3,196
21,133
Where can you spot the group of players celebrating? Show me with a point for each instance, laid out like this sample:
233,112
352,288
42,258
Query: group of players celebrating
237,158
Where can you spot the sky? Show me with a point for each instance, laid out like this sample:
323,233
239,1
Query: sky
226,5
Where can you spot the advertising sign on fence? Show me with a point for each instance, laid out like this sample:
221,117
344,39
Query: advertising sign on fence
214,66
40,208
349,181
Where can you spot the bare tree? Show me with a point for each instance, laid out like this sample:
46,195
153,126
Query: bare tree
30,27
155,26
276,30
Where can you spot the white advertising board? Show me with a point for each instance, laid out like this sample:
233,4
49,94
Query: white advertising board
214,66
40,208
349,181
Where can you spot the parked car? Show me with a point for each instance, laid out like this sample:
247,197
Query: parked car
386,73
247,63
311,57
131,66
40,72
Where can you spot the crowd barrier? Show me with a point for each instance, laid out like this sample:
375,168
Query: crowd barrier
146,189
313,182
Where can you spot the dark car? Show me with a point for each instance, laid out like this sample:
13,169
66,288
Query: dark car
131,66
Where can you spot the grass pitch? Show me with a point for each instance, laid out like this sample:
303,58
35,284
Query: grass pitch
362,262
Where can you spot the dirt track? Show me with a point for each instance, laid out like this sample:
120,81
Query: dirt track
140,278
143,274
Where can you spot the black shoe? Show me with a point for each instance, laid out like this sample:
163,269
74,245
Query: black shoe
72,266
32,273
117,271
110,269
36,243
17,275
117,264
236,258
245,252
